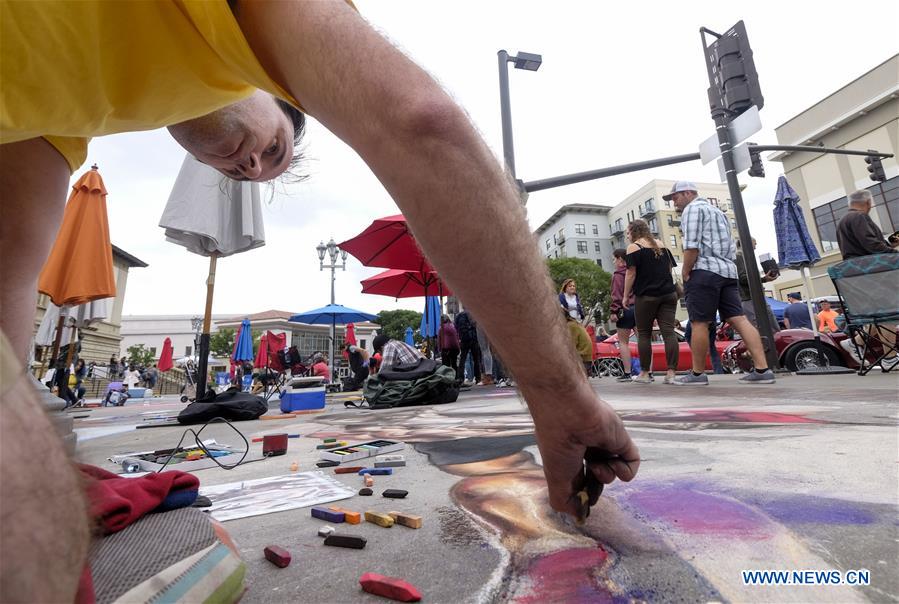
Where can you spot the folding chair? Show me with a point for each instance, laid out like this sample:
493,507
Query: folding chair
867,287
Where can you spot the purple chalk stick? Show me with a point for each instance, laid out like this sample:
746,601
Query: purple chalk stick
329,515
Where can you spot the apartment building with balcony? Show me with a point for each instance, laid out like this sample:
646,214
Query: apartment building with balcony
664,221
577,230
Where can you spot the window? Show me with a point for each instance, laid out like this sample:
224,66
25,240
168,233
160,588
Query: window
547,244
673,241
826,219
713,201
153,350
596,246
581,247
599,262
362,343
733,223
580,229
596,229
187,351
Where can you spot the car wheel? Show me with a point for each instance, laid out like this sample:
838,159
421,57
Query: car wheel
805,356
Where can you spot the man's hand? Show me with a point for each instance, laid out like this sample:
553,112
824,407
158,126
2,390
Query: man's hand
770,276
588,428
685,276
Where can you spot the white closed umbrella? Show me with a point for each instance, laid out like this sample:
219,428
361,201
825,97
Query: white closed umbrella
52,330
212,215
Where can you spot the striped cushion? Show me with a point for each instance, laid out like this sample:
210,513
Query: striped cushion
177,556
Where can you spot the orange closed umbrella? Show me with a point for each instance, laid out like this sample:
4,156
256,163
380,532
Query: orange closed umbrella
79,268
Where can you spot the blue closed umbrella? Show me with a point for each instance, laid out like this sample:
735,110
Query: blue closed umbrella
430,320
409,340
332,313
243,350
795,248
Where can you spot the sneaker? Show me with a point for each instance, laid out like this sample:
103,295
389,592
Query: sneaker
468,383
500,384
487,380
669,379
888,364
625,378
849,347
692,380
642,380
755,377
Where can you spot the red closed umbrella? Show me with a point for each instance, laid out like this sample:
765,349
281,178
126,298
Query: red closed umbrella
165,359
405,284
349,338
387,243
262,354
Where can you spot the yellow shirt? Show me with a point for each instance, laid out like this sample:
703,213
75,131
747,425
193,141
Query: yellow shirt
73,70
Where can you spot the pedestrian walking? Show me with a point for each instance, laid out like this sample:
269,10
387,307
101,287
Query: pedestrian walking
470,349
710,282
448,341
569,299
796,315
622,312
649,266
486,357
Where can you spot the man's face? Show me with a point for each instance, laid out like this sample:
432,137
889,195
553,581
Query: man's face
825,306
249,140
682,199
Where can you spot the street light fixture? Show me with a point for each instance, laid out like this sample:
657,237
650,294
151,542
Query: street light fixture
332,251
523,60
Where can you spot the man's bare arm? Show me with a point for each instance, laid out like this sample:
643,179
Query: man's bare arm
431,160
690,257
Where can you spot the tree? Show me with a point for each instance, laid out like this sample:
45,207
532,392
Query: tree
140,355
221,343
593,284
394,323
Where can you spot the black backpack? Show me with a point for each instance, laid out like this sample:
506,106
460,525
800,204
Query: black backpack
232,405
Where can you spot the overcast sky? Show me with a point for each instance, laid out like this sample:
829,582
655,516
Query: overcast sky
620,82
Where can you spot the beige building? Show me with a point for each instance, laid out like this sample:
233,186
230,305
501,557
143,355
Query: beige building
862,115
101,339
647,203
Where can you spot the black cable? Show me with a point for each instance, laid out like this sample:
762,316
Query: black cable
202,447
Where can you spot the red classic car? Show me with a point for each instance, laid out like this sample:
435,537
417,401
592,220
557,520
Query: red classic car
796,350
607,351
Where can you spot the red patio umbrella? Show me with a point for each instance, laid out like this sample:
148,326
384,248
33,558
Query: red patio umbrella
387,243
262,354
165,359
405,284
349,338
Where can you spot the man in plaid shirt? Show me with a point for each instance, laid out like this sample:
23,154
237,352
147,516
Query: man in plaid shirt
394,352
710,283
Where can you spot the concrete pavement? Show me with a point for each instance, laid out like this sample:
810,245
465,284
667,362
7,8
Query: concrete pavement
797,475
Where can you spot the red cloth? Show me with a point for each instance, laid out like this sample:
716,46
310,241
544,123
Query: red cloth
165,359
116,502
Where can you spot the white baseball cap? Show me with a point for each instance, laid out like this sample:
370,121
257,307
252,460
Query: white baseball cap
681,185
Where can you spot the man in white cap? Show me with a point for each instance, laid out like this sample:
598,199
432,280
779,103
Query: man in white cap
710,280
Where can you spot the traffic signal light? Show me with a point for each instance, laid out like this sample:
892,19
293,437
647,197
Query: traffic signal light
757,168
731,68
875,168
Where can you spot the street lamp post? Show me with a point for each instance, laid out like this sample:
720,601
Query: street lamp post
528,62
332,251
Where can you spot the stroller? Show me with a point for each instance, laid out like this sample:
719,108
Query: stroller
189,389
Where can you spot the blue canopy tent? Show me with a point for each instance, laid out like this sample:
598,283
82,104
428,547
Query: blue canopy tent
777,307
796,250
332,314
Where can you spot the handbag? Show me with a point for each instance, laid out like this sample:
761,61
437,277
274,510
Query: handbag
678,286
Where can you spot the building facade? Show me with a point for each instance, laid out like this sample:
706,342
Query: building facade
862,115
578,230
102,339
647,204
152,330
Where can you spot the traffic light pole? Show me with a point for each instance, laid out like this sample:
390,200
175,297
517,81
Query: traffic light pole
752,273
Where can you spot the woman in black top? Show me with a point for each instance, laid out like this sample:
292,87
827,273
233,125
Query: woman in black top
649,265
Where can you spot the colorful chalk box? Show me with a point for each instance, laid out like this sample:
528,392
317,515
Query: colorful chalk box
369,449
